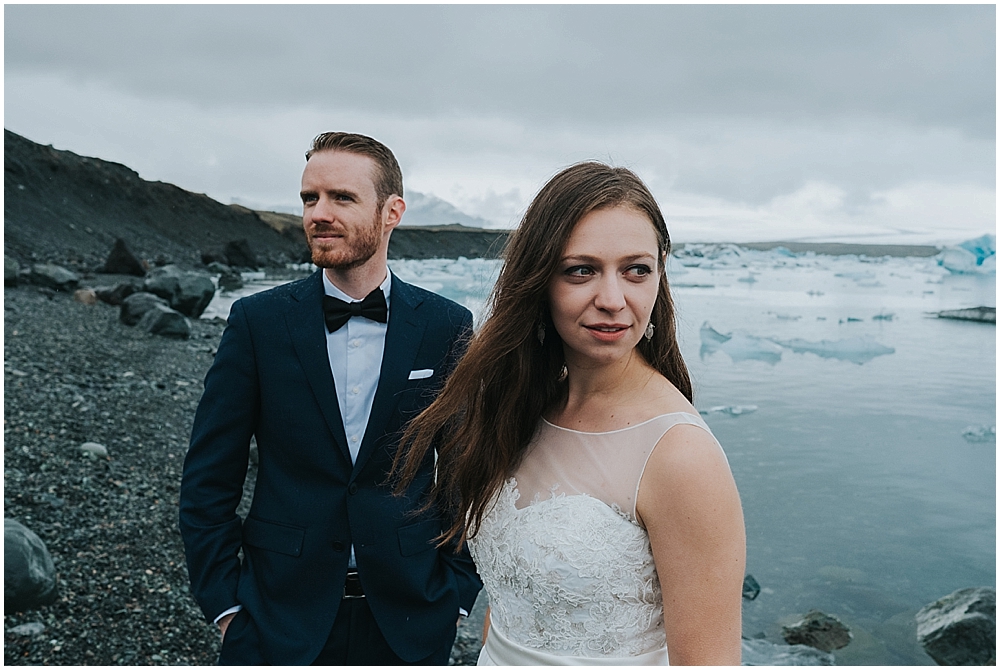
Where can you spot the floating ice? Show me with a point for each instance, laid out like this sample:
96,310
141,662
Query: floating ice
739,346
976,256
883,316
983,247
731,410
980,433
749,279
854,349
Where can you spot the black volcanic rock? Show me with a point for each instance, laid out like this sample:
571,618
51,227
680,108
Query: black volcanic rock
68,209
240,255
121,261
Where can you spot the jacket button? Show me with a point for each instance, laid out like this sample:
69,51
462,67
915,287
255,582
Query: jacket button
338,545
352,489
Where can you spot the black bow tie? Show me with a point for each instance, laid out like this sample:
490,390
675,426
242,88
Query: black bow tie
338,312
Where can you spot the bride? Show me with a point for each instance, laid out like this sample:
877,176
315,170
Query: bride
600,510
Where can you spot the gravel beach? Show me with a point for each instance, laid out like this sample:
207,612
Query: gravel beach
74,373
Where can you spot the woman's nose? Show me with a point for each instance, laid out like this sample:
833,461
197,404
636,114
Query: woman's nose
610,296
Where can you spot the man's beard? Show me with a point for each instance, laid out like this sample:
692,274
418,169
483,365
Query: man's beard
350,251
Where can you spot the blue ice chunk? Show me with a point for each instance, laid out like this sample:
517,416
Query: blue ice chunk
738,345
977,256
983,247
854,349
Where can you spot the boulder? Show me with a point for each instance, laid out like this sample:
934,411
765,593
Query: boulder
121,261
161,320
94,450
137,304
29,576
239,255
209,258
762,652
818,630
751,589
115,295
231,281
54,277
87,296
961,628
11,271
187,292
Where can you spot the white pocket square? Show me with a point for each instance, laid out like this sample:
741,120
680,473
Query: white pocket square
421,374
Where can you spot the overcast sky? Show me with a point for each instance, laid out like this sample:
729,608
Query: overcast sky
839,122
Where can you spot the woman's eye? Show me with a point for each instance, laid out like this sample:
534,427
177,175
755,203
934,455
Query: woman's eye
579,271
639,270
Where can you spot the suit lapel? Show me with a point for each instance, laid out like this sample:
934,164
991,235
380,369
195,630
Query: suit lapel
308,334
402,340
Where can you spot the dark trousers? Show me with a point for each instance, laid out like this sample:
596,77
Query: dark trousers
357,640
354,640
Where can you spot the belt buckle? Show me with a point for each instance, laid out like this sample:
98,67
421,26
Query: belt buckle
352,575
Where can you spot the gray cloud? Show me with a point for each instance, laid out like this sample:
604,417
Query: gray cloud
930,65
752,113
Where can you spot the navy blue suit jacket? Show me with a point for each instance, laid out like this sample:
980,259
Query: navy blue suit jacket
271,378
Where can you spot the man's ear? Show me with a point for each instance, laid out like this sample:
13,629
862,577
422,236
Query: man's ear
392,212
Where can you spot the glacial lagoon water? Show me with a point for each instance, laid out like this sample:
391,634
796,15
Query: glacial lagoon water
841,405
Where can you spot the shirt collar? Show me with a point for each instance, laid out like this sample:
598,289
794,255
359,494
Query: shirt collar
331,289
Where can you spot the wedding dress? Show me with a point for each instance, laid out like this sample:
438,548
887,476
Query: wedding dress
567,565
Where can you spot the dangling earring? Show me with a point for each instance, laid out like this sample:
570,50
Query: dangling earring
563,373
540,332
649,330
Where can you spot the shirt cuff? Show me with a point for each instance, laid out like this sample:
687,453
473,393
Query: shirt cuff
237,608
462,612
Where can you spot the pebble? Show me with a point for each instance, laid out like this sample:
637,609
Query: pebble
94,450
33,628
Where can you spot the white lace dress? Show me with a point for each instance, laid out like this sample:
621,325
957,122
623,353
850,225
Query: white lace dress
568,569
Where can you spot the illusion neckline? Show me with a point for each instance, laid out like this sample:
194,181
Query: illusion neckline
619,430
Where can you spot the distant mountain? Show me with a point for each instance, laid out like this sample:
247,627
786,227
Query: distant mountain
429,210
422,209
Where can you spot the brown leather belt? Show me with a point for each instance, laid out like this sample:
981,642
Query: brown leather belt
352,585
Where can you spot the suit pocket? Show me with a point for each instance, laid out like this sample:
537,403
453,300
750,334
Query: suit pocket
418,537
273,536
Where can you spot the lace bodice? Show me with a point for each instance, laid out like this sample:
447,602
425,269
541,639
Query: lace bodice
566,563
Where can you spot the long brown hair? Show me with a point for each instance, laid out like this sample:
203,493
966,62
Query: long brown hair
487,413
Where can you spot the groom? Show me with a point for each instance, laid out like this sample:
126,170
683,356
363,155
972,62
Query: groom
325,372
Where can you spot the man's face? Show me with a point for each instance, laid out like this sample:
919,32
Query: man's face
342,222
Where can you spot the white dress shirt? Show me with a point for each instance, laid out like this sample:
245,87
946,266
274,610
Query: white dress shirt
355,353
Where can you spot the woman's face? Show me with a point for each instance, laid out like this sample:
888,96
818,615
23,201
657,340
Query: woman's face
603,291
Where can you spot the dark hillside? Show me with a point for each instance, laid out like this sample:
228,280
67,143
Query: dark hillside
65,208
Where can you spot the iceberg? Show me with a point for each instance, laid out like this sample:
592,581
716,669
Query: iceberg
976,256
739,346
854,349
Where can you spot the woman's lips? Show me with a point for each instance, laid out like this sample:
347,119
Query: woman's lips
607,332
